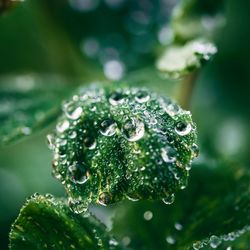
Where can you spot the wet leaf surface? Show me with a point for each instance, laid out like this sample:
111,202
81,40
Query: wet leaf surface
113,143
47,223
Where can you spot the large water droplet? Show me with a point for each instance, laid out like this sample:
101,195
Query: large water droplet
142,96
183,128
72,111
116,98
133,129
77,206
214,241
169,199
108,127
77,173
168,154
62,126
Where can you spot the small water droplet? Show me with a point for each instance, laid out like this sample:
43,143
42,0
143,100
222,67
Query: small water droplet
214,241
78,173
26,130
183,128
62,126
148,215
169,199
89,143
168,154
77,206
104,199
133,129
108,127
178,226
116,98
51,141
171,109
197,245
132,198
142,96
73,135
72,111
195,150
113,242
170,240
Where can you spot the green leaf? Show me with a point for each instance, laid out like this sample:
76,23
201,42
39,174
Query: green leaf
47,223
28,103
194,18
177,60
113,143
212,212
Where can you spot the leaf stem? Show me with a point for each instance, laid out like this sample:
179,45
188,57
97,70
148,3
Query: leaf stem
187,88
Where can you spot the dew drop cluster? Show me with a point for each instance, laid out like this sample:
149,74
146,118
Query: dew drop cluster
116,143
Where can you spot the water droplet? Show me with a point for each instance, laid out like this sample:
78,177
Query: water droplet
73,135
51,141
195,150
214,241
133,129
114,69
168,154
183,128
126,240
170,240
26,130
142,96
131,198
113,242
108,127
197,245
116,98
62,126
104,199
171,109
78,173
148,215
178,226
77,206
169,199
89,143
72,111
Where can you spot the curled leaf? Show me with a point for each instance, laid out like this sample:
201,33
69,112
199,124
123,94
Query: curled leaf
178,60
47,223
116,143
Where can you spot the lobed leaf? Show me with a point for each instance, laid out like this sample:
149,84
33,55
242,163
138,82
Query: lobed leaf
113,143
47,223
27,104
213,212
